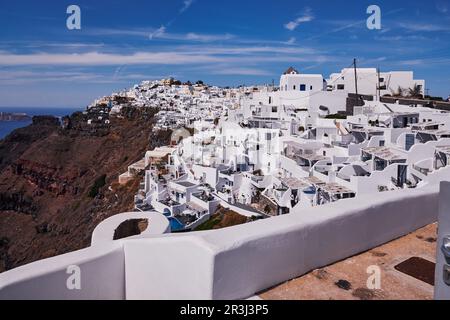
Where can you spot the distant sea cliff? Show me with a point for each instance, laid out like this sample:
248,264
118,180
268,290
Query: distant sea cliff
7,116
22,116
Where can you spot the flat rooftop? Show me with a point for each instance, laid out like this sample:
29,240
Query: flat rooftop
322,284
295,183
385,153
335,188
314,181
443,149
435,132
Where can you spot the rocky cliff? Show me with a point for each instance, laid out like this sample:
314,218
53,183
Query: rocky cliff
58,181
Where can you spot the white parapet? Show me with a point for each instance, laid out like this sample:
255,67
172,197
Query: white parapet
231,263
442,289
104,233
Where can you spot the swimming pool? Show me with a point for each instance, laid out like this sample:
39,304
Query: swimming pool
175,225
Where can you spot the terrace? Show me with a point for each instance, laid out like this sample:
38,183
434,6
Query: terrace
295,184
441,157
332,192
382,156
432,135
347,279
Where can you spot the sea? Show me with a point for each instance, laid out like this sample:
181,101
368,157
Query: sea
6,127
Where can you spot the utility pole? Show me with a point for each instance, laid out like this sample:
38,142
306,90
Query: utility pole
378,88
356,77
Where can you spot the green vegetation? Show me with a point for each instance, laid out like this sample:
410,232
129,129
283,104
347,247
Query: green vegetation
98,184
222,219
210,224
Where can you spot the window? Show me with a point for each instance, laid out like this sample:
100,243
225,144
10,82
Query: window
270,100
274,109
310,88
381,79
340,87
295,87
303,87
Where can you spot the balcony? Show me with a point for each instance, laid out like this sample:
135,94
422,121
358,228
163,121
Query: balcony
423,171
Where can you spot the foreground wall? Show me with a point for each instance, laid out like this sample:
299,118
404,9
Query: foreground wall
101,270
231,263
238,262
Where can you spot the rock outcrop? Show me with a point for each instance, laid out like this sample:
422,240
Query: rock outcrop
47,171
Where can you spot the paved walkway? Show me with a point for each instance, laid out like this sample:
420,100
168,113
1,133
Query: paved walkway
351,274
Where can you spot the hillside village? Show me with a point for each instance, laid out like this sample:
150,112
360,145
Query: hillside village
264,151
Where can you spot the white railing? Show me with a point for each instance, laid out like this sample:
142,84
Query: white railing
231,263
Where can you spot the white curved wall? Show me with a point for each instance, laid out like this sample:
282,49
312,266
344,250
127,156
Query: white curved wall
102,276
231,263
104,232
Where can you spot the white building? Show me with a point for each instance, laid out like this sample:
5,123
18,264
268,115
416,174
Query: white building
368,81
292,80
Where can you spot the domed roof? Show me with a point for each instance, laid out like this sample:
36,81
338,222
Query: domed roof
291,70
180,134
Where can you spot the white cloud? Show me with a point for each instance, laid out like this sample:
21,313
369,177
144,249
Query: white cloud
15,77
442,7
103,59
307,16
207,37
242,72
173,55
157,33
162,34
291,41
186,5
425,27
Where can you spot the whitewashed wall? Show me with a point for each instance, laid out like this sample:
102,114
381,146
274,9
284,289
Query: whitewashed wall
231,263
102,275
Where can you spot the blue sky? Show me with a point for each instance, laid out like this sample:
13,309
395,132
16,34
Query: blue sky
42,63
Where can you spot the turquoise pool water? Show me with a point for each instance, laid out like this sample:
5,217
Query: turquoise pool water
175,225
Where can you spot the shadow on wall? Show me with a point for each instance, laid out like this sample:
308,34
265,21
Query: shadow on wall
132,227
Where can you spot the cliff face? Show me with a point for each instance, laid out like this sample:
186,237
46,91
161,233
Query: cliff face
57,184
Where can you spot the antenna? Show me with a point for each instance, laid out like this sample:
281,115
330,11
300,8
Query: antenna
356,76
379,85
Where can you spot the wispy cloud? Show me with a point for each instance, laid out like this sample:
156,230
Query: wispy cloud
168,55
15,77
186,5
306,16
242,72
162,34
157,33
424,27
442,7
291,41
425,62
104,59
